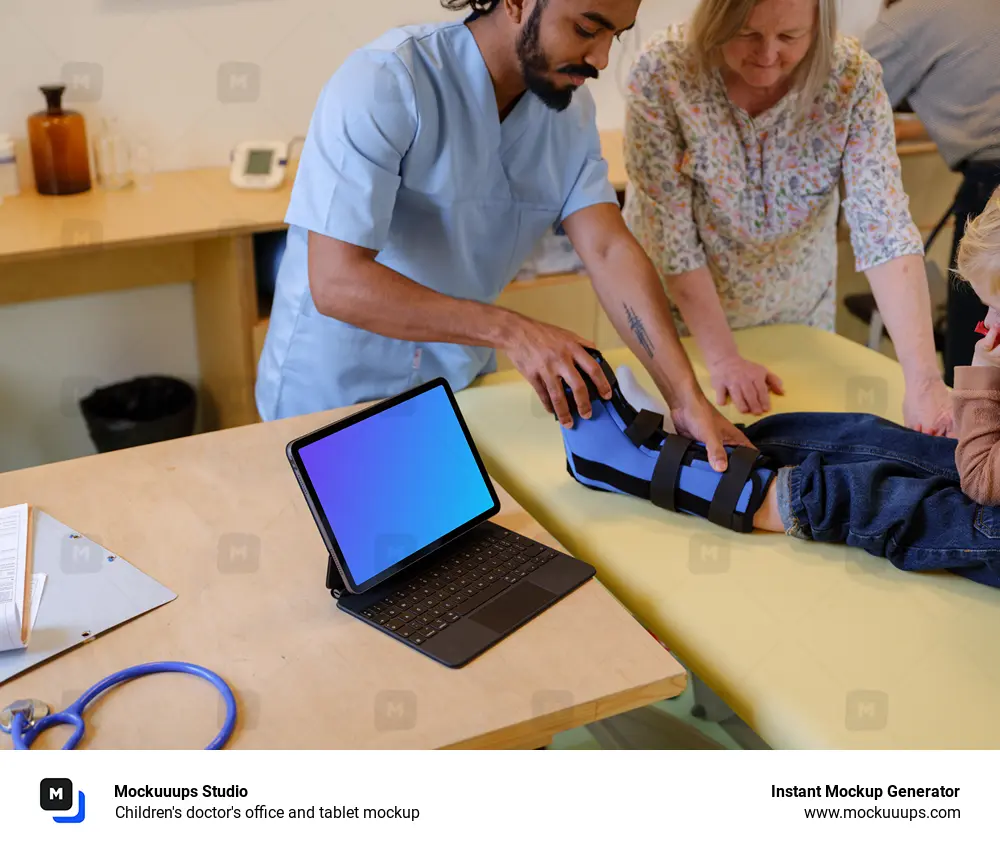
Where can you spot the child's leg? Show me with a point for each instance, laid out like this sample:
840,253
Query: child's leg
768,516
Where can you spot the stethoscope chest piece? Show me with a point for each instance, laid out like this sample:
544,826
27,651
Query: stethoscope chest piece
32,709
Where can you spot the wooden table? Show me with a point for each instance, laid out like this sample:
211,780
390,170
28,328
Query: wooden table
219,519
188,226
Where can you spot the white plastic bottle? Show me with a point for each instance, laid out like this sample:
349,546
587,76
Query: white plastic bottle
9,184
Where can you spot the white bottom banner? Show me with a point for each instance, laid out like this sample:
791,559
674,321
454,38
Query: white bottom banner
497,799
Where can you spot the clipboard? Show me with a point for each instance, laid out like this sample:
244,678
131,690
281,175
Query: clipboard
88,591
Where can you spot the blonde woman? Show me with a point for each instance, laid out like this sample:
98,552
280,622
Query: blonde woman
739,129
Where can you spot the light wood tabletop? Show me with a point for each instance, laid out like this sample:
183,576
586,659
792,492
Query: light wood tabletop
219,519
178,206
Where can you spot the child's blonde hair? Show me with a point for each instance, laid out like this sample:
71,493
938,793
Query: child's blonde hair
979,250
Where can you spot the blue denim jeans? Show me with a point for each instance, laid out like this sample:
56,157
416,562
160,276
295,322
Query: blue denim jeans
867,482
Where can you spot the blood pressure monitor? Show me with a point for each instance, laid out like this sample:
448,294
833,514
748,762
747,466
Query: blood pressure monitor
259,165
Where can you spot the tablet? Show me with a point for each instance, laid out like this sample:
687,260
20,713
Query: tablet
392,483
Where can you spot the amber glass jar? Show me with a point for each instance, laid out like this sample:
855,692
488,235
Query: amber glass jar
59,151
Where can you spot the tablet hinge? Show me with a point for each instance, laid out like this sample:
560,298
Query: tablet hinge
334,583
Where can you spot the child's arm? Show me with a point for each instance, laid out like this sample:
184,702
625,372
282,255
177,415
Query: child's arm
977,422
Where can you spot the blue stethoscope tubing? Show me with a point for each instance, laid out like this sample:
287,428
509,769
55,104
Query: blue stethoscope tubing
24,736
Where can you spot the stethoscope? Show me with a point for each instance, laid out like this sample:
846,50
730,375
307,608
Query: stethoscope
26,719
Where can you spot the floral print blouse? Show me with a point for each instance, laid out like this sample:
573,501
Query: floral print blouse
756,199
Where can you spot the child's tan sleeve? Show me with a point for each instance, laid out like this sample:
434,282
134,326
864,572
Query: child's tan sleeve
976,402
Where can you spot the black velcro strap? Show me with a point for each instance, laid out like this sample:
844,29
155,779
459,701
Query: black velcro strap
727,494
609,475
594,471
663,486
645,424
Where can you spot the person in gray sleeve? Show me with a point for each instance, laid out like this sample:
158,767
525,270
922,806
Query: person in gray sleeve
942,57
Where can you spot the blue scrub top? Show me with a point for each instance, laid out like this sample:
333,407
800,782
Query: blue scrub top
406,155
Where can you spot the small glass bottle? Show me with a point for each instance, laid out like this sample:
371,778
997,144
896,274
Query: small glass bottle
59,152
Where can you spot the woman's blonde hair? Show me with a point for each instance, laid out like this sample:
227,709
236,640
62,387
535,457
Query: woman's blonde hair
979,250
717,22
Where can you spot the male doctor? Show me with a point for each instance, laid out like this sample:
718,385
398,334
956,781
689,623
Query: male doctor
435,160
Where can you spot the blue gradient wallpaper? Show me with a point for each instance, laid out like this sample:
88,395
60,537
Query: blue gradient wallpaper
391,484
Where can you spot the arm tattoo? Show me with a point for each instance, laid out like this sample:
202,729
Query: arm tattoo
639,329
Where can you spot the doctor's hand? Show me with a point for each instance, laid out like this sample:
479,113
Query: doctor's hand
927,408
699,420
748,384
548,355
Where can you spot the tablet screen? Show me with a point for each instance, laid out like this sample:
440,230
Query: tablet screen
396,482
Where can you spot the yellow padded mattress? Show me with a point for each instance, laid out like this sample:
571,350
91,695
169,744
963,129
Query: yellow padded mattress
813,645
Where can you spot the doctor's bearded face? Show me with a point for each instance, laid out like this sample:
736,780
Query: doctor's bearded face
564,43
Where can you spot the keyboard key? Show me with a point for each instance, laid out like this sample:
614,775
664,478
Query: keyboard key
451,617
441,595
435,612
532,550
368,613
439,624
392,612
428,633
393,625
510,578
417,639
376,607
426,619
481,585
474,602
464,581
382,619
448,604
419,608
403,604
406,631
406,616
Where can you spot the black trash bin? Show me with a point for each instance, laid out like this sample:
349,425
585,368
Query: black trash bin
144,410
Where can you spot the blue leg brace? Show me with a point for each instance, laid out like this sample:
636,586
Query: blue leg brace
622,450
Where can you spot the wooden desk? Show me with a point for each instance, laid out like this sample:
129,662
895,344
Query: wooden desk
219,519
188,226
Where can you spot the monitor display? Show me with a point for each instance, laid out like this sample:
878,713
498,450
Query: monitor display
396,482
259,161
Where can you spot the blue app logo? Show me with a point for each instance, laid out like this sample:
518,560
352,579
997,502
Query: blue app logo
56,795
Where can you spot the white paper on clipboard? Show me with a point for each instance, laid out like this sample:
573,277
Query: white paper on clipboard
87,590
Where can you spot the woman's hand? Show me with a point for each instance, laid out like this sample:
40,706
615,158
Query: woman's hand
748,384
927,408
702,422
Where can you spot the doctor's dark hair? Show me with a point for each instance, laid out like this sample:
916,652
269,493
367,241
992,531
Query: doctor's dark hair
477,7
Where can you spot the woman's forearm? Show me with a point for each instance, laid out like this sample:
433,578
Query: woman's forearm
903,296
697,299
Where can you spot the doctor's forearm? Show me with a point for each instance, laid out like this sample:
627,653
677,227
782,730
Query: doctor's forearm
901,291
629,290
376,298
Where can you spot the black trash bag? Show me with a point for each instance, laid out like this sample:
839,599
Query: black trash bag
144,410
